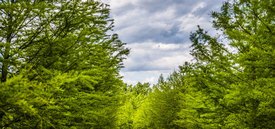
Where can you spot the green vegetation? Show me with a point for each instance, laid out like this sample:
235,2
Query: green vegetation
60,69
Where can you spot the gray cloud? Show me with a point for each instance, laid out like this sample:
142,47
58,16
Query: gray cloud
157,31
160,20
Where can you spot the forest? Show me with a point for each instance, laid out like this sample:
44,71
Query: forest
60,63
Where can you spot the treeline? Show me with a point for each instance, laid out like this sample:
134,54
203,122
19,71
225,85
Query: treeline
229,84
60,67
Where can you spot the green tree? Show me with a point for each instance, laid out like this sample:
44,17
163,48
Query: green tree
232,89
209,78
249,27
59,35
59,65
160,108
134,99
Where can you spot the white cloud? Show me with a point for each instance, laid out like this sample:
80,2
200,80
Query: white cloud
157,31
198,6
133,77
189,22
148,60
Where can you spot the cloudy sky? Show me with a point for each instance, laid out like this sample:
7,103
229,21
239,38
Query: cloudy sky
157,32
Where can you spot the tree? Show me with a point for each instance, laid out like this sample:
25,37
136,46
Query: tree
62,61
249,28
232,89
161,106
134,99
205,82
57,35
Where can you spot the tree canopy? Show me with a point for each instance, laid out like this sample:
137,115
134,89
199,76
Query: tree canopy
60,63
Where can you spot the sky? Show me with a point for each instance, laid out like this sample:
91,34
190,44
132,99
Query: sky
157,32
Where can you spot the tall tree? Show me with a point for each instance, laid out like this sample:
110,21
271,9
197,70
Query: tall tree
249,27
232,89
59,64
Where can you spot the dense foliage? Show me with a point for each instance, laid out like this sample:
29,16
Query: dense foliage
60,69
59,66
